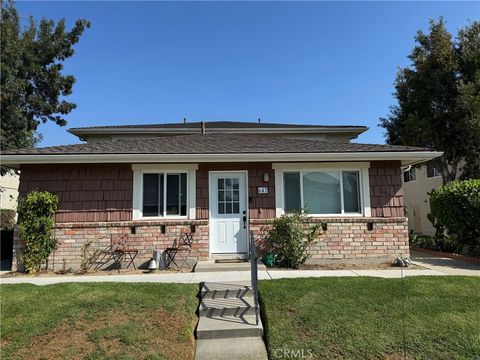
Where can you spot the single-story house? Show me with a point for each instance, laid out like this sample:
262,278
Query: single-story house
222,181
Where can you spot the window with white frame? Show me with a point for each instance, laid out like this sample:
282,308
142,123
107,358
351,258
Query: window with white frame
410,175
164,194
164,191
323,191
432,171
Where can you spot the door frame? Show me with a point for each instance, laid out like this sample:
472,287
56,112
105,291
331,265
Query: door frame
247,210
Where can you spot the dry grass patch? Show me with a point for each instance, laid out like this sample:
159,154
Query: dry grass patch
113,323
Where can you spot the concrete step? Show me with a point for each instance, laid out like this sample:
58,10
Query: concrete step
227,306
248,348
228,327
211,290
212,266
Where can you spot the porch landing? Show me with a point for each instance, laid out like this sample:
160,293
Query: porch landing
212,266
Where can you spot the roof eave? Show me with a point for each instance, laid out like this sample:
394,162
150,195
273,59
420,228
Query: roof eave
183,131
406,157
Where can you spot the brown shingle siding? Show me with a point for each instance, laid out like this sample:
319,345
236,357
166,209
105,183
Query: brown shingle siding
87,192
386,192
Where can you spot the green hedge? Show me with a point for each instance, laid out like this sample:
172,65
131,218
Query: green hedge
36,213
455,211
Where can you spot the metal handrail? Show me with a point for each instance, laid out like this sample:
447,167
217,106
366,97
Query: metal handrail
254,274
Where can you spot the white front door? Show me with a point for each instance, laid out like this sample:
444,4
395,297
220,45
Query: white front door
228,212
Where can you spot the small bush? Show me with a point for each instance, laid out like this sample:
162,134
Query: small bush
36,213
7,219
89,255
289,238
455,211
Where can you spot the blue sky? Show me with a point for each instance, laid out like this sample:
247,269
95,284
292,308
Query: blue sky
284,62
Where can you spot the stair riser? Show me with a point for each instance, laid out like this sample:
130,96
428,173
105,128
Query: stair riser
226,294
229,334
240,311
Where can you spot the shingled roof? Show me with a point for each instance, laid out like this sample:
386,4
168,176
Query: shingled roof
212,144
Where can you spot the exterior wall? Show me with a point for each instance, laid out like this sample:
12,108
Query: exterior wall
417,201
9,191
96,203
386,192
335,137
349,239
146,236
261,206
86,192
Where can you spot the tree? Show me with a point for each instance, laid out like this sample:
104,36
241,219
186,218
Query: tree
33,86
438,99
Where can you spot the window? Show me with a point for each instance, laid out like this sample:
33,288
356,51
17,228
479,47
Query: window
228,196
410,175
432,171
164,194
291,181
322,192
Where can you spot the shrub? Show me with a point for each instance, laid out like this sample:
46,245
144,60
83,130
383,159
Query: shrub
36,213
89,256
455,211
7,219
289,238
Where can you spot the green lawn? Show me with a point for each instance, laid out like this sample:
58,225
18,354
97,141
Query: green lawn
362,318
98,321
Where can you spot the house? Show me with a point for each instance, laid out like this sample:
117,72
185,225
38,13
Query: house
418,183
9,191
222,181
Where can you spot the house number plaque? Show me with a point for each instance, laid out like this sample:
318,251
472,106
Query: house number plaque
262,190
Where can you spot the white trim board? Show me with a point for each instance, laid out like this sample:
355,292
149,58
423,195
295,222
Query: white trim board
406,157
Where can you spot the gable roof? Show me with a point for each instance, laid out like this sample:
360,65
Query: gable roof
213,147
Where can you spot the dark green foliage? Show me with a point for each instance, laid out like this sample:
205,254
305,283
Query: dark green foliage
7,219
33,86
289,238
455,208
36,213
438,99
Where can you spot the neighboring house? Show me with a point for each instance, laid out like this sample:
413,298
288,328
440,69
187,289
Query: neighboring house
9,191
222,181
418,182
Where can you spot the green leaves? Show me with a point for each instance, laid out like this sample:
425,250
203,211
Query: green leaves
36,213
456,208
31,78
438,98
289,238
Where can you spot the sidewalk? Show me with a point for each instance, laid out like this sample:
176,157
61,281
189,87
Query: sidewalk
227,276
444,264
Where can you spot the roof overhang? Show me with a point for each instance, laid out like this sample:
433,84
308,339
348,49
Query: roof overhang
406,157
82,132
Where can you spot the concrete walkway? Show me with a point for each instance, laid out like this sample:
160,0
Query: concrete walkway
227,276
445,265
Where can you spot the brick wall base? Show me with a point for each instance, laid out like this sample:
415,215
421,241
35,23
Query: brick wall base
345,240
144,236
349,240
